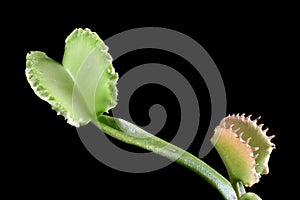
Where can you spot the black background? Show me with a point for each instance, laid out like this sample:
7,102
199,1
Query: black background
252,49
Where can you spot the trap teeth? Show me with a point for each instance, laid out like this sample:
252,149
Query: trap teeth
249,117
241,134
248,140
258,118
260,126
271,137
255,149
236,130
266,130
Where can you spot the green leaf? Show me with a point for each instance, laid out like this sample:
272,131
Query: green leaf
52,83
84,86
236,154
87,59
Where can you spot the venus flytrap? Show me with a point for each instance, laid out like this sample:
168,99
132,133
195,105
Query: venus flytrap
83,89
244,148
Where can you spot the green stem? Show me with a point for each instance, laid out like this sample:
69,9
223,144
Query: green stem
131,134
239,188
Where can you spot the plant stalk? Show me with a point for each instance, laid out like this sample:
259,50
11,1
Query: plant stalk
131,134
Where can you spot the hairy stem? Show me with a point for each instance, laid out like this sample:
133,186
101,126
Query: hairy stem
131,134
